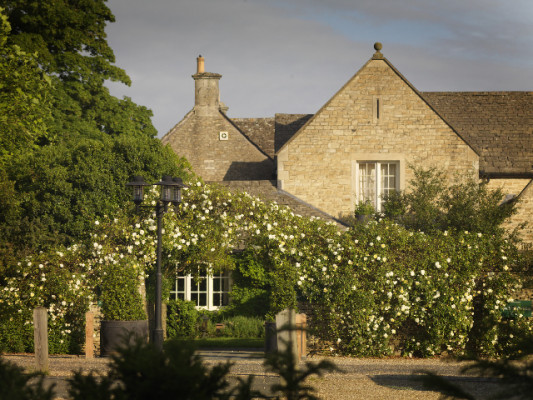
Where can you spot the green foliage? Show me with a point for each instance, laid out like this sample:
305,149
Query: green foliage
426,294
243,327
120,296
432,205
15,384
59,281
143,372
69,40
24,94
249,296
364,208
67,146
182,318
370,287
16,335
58,191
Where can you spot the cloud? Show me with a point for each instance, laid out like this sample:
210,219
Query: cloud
292,55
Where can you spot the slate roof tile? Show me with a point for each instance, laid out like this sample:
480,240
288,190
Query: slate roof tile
498,125
260,131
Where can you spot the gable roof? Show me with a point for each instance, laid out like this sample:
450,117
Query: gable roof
258,130
379,56
499,125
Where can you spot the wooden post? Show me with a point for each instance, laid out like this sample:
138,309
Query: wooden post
40,335
301,333
89,334
286,321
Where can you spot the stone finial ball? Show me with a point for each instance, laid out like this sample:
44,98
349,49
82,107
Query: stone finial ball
378,46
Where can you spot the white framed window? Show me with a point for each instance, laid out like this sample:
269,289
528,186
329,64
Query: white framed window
207,291
375,180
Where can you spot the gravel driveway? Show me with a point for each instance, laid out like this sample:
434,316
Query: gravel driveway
361,378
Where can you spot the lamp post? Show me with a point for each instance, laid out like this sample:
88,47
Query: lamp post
170,193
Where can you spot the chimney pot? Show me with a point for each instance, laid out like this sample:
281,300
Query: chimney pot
200,65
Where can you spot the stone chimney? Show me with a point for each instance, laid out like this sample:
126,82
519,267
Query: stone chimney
206,91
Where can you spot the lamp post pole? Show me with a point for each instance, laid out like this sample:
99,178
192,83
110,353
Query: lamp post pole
170,193
158,328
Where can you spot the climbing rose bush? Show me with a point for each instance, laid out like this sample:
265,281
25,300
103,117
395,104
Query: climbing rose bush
368,288
382,285
59,281
378,286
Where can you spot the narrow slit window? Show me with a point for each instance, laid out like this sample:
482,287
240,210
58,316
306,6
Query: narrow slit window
377,108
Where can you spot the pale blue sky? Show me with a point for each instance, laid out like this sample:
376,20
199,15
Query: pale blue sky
291,56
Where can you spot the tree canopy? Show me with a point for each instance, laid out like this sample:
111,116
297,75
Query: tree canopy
24,95
69,42
67,146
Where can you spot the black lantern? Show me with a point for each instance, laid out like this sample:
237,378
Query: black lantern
166,184
176,191
171,190
138,184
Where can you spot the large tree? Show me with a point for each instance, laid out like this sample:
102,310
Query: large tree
69,39
24,95
72,146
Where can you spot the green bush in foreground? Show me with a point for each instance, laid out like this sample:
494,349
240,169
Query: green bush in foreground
177,372
15,384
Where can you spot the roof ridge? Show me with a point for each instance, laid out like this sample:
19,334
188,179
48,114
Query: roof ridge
492,92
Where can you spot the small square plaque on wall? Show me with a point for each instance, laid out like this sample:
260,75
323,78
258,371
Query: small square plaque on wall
223,136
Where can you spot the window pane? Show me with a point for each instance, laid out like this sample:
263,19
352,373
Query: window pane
202,285
225,299
367,183
178,291
388,178
375,181
205,290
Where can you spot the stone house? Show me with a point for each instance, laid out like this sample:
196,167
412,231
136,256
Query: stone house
360,144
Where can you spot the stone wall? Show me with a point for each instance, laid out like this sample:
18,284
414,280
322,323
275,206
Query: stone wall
217,150
376,116
524,188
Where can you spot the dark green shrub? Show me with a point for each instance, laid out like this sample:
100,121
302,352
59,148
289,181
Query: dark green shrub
433,205
14,384
145,373
182,318
121,299
15,335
